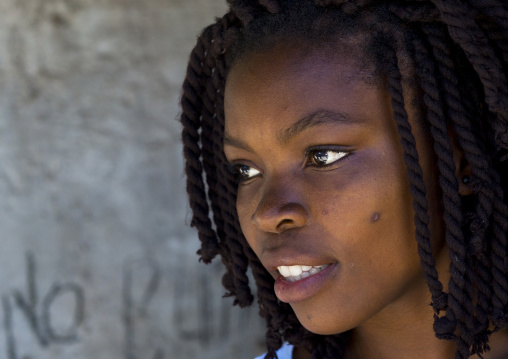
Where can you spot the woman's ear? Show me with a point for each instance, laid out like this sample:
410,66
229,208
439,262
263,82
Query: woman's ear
463,169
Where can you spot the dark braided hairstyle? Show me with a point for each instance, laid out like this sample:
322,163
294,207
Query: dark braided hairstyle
459,50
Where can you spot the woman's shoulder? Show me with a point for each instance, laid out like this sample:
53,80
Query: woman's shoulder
285,352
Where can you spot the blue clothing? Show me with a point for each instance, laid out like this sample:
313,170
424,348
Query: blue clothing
285,352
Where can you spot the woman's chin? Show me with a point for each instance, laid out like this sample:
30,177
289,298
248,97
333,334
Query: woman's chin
322,326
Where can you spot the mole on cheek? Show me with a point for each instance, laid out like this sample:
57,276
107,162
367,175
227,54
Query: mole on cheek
375,217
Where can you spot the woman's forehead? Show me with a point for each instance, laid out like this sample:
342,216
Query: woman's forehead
302,61
285,73
270,91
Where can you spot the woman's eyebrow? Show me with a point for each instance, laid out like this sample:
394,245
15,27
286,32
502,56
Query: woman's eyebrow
314,119
234,142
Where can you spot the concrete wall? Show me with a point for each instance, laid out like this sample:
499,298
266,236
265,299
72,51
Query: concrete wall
97,260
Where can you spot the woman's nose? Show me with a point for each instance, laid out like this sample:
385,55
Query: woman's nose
281,208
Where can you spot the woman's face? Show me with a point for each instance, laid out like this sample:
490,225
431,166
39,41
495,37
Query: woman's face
324,198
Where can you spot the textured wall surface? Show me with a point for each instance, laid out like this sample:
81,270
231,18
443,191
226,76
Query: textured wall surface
97,260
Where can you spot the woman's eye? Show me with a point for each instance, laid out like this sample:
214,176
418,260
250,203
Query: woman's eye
246,172
324,157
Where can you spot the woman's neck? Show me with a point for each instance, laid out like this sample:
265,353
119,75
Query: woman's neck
410,341
413,342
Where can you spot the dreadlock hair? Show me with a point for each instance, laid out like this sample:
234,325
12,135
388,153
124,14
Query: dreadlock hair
459,50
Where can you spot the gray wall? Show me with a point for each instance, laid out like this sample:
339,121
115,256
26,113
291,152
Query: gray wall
97,260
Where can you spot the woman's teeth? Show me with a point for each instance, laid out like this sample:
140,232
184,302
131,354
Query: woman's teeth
294,273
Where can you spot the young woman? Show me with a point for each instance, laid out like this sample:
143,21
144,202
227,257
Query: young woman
355,157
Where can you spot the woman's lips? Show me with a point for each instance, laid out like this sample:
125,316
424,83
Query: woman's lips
295,291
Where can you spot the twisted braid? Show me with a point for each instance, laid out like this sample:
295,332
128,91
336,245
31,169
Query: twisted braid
415,12
268,303
209,100
192,107
459,298
415,175
485,179
235,279
455,112
493,17
466,32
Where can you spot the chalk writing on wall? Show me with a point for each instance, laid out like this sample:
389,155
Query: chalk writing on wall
41,309
37,310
